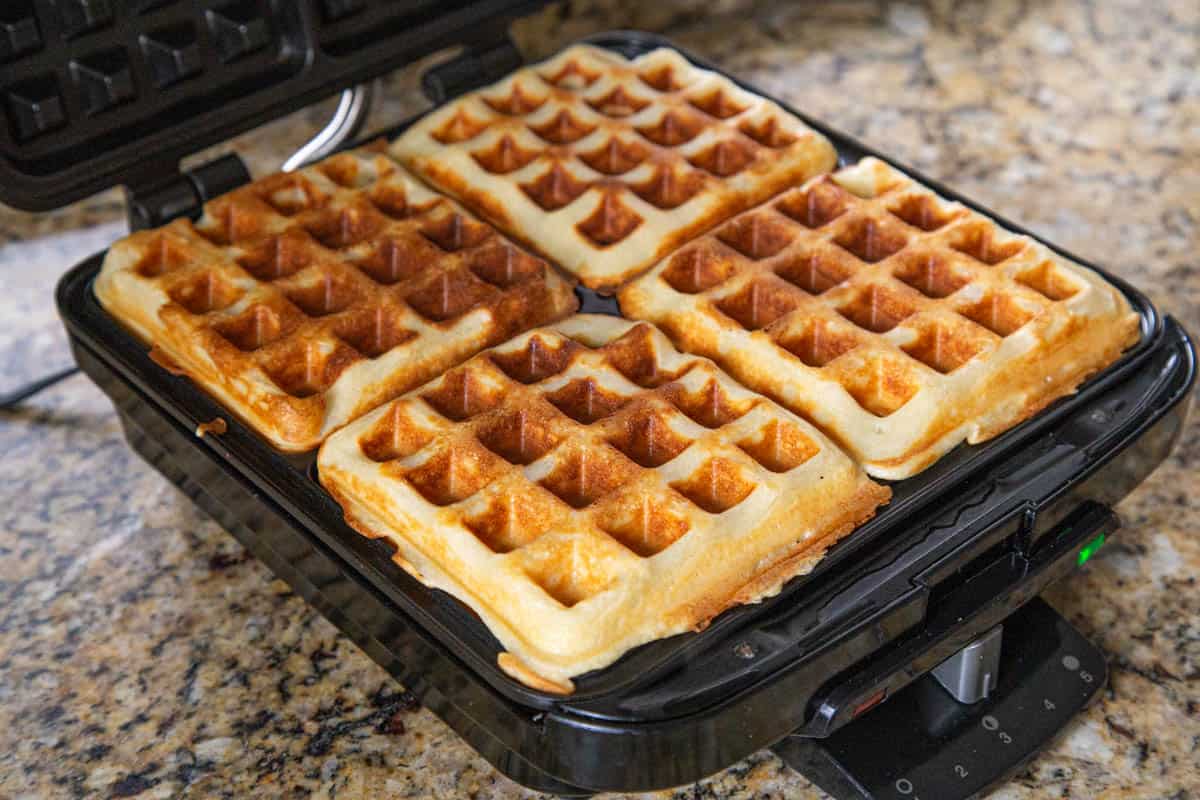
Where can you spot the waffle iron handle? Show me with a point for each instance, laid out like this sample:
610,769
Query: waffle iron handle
960,608
922,742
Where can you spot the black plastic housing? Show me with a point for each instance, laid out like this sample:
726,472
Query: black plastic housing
95,93
924,743
675,710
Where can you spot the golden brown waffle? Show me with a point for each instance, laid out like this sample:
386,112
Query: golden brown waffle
586,488
898,322
606,164
303,300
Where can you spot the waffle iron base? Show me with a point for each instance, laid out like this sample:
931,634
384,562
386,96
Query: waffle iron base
886,606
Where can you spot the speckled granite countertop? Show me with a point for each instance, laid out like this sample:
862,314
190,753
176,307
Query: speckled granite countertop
142,654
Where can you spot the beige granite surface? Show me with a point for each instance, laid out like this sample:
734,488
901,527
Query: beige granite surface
142,654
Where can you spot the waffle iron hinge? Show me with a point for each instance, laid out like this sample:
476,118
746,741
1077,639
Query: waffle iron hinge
152,200
485,61
152,203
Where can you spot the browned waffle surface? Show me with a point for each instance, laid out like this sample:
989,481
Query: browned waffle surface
605,164
305,299
586,488
898,322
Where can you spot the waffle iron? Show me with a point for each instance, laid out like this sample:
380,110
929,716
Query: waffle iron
915,661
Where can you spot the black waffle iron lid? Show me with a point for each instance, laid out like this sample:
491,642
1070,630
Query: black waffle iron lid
95,93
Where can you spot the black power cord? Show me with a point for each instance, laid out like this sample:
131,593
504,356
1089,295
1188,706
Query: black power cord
11,400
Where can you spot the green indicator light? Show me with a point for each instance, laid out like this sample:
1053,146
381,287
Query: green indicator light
1090,549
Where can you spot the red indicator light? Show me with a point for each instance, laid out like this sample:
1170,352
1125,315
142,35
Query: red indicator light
866,705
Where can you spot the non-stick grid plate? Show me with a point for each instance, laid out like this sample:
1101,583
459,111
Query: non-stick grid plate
291,481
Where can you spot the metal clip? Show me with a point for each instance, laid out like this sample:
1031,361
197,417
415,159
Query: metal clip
347,121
